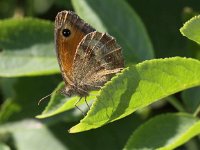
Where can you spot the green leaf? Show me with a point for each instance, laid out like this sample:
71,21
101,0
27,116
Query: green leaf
191,29
23,132
27,48
105,138
8,108
7,8
127,28
139,86
162,25
4,146
26,92
60,103
191,99
164,132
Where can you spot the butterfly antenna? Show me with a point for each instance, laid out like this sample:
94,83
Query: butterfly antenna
44,98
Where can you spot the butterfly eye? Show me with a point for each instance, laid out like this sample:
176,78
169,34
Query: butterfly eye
66,32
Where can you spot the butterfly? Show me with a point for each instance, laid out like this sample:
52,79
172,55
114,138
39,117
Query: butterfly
87,58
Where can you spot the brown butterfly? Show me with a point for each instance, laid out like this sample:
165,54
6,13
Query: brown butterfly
87,58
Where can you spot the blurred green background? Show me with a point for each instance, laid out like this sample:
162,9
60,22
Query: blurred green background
19,95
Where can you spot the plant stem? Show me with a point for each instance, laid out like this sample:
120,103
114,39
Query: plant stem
196,111
173,101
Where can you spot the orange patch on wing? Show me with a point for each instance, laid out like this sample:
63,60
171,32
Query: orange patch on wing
67,48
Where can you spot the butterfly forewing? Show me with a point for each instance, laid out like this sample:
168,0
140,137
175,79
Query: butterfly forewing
66,46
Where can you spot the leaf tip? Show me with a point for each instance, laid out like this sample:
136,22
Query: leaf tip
39,116
190,29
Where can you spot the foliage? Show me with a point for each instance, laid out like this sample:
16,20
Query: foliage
152,104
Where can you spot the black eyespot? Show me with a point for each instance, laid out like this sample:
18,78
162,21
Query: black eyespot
66,32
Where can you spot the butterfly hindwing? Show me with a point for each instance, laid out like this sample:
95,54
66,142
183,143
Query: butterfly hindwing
98,57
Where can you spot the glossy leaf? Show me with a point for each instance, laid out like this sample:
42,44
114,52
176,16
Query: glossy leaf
27,48
26,92
164,132
33,133
4,146
123,23
139,86
191,99
191,29
60,103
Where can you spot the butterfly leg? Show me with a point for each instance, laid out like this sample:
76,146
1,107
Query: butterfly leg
87,103
78,107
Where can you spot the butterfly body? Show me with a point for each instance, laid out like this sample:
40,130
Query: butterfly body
87,58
